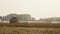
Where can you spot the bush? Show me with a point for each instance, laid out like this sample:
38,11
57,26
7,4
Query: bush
14,20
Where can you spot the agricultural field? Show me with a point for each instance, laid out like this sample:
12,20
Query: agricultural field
28,30
48,25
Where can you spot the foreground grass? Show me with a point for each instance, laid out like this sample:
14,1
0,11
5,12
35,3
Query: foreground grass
28,30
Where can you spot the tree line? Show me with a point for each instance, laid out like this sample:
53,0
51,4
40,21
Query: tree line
27,17
20,17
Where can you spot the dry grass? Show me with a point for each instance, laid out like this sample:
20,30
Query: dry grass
48,25
29,28
26,30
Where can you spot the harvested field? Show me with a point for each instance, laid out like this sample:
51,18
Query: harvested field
30,28
47,25
26,30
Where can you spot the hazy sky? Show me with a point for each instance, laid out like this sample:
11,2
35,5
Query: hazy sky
36,8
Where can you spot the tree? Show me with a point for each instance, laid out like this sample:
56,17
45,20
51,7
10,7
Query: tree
0,18
33,19
14,20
